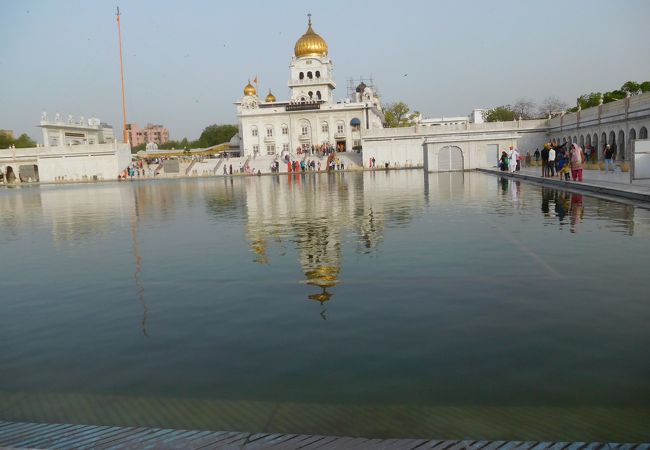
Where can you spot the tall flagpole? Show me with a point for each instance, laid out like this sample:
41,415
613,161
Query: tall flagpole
119,35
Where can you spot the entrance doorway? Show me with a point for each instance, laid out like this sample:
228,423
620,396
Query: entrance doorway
10,177
450,158
28,173
340,146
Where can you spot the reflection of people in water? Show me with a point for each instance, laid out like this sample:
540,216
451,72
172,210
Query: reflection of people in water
577,211
547,194
561,205
504,184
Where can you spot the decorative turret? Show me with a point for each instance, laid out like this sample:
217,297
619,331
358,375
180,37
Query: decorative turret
270,98
249,89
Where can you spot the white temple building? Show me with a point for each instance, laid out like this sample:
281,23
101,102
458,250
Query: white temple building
311,117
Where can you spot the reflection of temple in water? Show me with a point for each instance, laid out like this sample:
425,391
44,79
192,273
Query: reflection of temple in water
320,215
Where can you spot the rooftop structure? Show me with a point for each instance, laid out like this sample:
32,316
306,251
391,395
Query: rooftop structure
59,132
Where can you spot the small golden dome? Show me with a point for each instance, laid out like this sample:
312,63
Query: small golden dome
250,89
310,44
270,98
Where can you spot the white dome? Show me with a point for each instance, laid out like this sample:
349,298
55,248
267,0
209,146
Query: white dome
235,141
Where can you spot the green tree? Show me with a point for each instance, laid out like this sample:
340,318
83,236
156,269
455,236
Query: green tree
398,114
632,87
5,140
216,134
614,95
645,86
23,141
137,148
499,114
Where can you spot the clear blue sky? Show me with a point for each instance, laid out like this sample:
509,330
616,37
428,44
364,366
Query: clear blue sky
187,62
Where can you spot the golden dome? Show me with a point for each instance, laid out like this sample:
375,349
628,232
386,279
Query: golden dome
270,98
310,44
250,89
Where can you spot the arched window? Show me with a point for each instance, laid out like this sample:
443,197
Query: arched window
621,144
318,95
301,75
311,94
309,75
285,129
643,133
594,143
575,139
324,127
340,127
253,130
269,131
603,139
631,138
304,129
318,74
582,141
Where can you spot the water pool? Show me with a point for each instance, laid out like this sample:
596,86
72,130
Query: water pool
387,304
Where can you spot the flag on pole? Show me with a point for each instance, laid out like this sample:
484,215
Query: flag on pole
255,80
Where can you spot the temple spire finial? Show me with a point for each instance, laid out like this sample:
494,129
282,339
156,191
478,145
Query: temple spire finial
309,19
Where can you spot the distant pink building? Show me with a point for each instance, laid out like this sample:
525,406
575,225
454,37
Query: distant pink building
151,133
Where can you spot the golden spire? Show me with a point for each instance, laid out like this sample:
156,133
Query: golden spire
310,43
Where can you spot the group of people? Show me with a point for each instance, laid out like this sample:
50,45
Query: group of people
561,160
310,165
510,161
324,149
135,169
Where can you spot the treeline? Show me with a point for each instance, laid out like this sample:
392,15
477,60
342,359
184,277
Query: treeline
23,141
527,109
211,135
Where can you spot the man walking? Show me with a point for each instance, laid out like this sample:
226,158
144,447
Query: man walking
551,162
545,160
514,157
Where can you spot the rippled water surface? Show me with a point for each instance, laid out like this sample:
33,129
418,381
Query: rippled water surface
376,304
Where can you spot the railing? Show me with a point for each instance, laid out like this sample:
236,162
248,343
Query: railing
189,168
216,167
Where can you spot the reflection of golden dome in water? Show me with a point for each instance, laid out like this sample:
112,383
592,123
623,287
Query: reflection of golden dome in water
270,98
310,44
322,297
324,276
259,247
250,89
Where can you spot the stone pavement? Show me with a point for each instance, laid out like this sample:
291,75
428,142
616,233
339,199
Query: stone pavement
610,184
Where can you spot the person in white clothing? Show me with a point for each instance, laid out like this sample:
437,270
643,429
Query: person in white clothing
551,162
514,156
